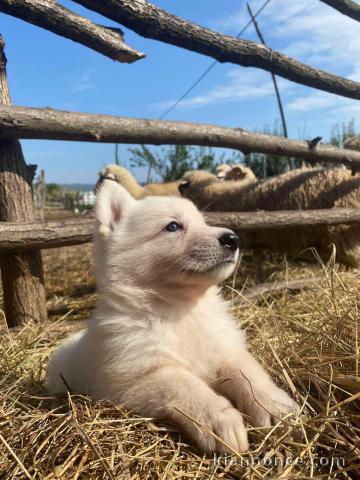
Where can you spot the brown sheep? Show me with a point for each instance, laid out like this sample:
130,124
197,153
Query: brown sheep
127,180
302,189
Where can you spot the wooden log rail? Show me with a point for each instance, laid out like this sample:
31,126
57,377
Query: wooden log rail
150,21
346,7
57,19
27,236
36,123
56,233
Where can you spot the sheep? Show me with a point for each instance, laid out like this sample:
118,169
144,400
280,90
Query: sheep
127,180
301,189
352,143
222,169
199,178
240,173
235,172
164,188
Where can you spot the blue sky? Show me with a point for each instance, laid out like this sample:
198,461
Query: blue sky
46,70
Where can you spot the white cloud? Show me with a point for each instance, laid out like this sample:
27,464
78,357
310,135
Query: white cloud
313,101
307,30
282,9
327,38
335,107
240,84
84,82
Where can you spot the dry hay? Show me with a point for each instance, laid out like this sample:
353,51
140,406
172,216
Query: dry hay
308,341
58,214
70,283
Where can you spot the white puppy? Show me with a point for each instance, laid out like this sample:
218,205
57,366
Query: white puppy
161,340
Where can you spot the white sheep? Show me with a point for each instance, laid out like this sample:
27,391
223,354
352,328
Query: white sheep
237,172
301,189
127,180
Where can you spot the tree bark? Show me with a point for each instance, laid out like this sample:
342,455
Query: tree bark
27,236
346,7
57,19
22,122
152,22
22,273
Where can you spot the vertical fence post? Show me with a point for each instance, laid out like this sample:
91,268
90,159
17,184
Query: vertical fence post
22,273
42,195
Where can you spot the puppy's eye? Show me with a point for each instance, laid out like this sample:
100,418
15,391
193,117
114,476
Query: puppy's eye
173,227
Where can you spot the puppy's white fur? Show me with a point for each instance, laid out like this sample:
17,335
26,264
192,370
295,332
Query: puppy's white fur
161,340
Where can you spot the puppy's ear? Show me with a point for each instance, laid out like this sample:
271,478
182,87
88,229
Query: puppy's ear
112,201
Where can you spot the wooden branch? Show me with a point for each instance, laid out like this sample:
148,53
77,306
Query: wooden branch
52,16
152,22
23,122
22,273
346,7
60,233
262,221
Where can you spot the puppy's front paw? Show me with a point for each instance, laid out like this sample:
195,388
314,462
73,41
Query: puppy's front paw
229,426
226,423
268,405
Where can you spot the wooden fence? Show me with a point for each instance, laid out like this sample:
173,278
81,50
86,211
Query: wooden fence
61,233
21,238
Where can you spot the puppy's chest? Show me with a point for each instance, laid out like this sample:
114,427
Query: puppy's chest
200,340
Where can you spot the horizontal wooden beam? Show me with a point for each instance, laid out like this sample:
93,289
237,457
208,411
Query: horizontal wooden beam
61,233
153,22
57,233
346,7
34,123
50,15
285,219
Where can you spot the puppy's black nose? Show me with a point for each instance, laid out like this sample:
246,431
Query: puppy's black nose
229,240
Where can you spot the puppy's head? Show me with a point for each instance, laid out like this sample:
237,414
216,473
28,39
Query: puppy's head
158,242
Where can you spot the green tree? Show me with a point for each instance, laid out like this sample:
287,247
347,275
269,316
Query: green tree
170,163
142,156
177,160
52,189
340,132
266,166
